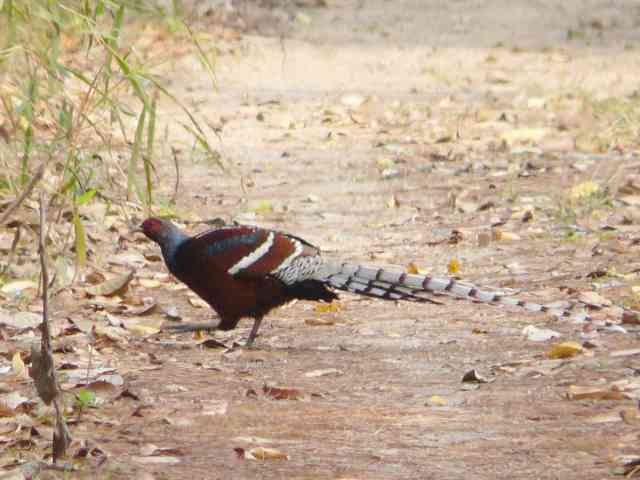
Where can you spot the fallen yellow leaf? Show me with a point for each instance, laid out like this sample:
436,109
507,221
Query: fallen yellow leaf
565,350
436,401
142,329
413,269
113,286
332,307
18,366
584,190
501,235
454,266
593,393
149,283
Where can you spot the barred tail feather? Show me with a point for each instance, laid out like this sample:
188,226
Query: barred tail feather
397,285
379,289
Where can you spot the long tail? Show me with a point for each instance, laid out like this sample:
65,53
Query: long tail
397,285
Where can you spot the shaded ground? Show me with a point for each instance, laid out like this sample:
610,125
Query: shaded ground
374,130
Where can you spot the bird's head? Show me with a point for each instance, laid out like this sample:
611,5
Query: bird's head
156,229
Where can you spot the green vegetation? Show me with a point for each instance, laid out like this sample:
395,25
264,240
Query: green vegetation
78,103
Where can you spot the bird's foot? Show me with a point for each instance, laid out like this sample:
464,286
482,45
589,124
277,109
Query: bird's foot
254,332
190,327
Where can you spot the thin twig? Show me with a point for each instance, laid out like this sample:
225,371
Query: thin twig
12,252
46,332
18,201
46,379
174,152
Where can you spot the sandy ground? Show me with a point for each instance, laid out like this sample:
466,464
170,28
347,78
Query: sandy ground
373,129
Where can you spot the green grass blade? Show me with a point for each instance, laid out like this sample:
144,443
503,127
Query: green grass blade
196,131
81,240
148,158
203,57
135,154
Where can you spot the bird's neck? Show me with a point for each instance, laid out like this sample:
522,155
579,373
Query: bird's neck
170,247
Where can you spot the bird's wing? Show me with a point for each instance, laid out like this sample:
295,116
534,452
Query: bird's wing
250,252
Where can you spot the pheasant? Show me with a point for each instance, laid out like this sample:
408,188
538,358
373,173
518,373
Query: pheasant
244,271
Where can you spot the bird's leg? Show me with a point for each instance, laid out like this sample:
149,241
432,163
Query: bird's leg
254,330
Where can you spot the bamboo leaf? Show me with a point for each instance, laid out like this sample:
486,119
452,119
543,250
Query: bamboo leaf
85,197
148,158
81,239
203,56
135,154
198,133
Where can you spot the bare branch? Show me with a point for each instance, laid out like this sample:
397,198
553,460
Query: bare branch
174,152
18,201
42,368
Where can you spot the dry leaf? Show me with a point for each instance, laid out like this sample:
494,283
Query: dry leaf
630,416
18,287
625,353
332,307
18,366
500,235
198,302
584,190
279,393
593,393
215,407
149,283
150,449
323,372
524,135
436,401
261,453
565,350
472,376
129,259
11,401
320,322
211,342
353,100
165,460
20,319
61,439
142,330
594,300
536,334
414,269
454,266
528,216
147,306
42,373
113,286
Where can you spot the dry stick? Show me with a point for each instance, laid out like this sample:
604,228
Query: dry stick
12,252
18,201
44,372
174,152
46,332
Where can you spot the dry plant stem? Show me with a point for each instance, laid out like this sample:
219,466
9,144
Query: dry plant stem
46,333
18,201
59,448
12,252
174,153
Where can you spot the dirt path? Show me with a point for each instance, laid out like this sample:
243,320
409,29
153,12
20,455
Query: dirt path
425,93
374,130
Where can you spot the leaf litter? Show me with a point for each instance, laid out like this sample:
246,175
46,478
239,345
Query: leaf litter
121,336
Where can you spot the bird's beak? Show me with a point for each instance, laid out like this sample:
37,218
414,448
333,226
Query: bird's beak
136,229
